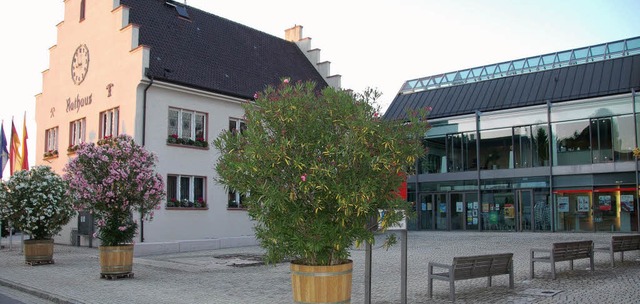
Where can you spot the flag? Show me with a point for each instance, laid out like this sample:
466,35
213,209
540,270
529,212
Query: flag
15,160
25,159
4,154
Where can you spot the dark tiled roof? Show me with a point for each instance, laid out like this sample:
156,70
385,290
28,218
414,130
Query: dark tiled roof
600,78
213,53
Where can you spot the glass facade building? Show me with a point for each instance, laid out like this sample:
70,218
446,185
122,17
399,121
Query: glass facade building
536,144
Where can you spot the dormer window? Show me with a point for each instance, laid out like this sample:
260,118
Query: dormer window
82,9
181,9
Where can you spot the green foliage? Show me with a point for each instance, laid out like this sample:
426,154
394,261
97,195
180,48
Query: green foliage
36,202
318,165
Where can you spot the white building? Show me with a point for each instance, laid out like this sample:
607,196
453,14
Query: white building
157,70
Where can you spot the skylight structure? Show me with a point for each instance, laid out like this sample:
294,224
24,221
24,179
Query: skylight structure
620,48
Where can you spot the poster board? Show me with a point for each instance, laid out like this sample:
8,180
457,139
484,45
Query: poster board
604,203
583,204
563,203
626,203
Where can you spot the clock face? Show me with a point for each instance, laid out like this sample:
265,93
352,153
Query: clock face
80,64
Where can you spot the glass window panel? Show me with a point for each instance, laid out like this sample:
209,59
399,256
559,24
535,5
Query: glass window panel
437,79
601,140
623,135
495,149
172,187
548,59
173,122
503,67
463,75
564,57
488,70
198,188
533,62
200,127
451,76
597,50
572,143
513,117
633,44
522,147
477,72
581,54
598,107
412,84
243,126
184,187
186,124
435,157
615,47
541,145
518,64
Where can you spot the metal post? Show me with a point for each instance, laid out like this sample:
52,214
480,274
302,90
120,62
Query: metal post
367,274
403,267
635,160
9,225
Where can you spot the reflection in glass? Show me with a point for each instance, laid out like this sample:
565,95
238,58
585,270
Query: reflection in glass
572,143
495,149
601,140
522,147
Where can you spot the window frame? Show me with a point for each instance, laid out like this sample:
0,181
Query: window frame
192,130
77,132
51,136
176,197
112,117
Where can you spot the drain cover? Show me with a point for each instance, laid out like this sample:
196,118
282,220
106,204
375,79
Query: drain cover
541,292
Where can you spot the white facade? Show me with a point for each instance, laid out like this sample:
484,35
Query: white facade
115,79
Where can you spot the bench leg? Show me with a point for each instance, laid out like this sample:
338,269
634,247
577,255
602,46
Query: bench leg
430,288
613,257
621,256
553,270
452,290
571,264
531,267
591,263
511,279
489,281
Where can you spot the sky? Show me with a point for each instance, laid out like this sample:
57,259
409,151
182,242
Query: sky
375,43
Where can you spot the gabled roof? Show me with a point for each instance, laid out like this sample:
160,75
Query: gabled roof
587,80
215,54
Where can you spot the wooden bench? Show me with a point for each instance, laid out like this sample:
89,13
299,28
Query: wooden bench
564,251
621,243
471,267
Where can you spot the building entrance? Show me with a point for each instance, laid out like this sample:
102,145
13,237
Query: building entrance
524,210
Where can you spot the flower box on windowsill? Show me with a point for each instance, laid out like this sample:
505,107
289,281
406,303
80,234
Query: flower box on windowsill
198,143
50,154
174,204
72,149
187,208
236,209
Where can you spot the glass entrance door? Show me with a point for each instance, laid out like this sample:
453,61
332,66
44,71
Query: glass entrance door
457,210
524,210
425,212
440,211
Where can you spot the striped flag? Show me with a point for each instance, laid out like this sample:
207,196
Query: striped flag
4,154
25,157
15,160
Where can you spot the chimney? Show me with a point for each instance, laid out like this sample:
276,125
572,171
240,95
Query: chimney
293,34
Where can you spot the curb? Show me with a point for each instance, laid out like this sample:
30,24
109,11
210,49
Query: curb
39,293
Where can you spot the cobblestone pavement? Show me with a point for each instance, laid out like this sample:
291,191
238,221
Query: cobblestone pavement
231,276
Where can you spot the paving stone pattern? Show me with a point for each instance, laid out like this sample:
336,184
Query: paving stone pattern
236,275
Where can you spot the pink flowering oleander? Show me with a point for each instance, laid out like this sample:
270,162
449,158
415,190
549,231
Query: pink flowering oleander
112,181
